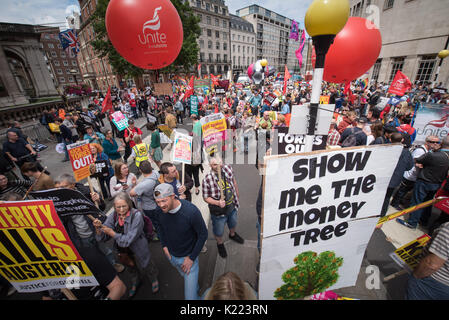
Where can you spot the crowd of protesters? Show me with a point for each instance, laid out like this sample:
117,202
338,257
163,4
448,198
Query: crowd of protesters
163,199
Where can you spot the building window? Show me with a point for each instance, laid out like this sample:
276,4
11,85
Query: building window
74,63
59,71
216,9
201,44
238,49
198,3
217,45
217,34
225,46
202,57
218,57
62,80
397,65
71,79
209,44
208,19
233,48
376,70
225,25
388,4
426,68
225,58
56,63
51,45
63,55
65,63
217,22
209,32
207,6
224,11
53,54
211,57
200,16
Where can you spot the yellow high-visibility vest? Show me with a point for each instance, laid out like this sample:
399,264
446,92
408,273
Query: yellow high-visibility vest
141,150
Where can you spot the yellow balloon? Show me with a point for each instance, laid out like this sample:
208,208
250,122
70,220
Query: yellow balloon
326,17
443,54
263,62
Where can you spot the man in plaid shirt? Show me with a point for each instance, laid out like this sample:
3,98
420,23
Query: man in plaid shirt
333,137
213,188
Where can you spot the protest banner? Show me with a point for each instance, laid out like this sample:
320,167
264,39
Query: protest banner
295,143
81,158
383,101
269,99
99,169
324,99
300,115
214,131
36,253
120,120
400,85
203,84
194,105
68,202
431,119
408,256
319,211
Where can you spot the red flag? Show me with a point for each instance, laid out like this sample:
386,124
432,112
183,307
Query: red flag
199,67
287,76
107,102
400,85
347,88
206,100
214,79
190,88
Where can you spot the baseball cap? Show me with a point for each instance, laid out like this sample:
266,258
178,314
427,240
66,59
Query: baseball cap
362,120
163,190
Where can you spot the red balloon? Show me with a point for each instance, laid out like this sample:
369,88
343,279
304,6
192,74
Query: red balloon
354,51
147,34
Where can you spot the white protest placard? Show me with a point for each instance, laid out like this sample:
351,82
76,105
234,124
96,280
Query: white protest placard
300,114
182,148
320,206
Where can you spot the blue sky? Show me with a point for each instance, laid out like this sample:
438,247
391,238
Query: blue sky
51,11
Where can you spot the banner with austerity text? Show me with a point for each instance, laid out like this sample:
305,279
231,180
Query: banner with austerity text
36,254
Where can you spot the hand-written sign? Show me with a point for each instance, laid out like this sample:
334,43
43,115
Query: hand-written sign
295,143
36,252
312,201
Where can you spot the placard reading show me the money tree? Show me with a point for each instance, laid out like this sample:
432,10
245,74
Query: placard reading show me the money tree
319,211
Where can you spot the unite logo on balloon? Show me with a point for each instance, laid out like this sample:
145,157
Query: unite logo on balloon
153,39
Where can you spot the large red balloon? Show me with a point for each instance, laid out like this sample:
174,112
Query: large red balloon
354,51
146,33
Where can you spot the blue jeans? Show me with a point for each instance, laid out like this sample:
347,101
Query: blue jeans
426,289
218,222
190,280
423,191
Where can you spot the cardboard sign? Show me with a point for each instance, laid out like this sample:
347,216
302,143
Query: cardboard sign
81,158
68,202
214,131
36,251
163,89
408,256
431,119
269,99
100,169
120,120
194,105
182,150
300,115
319,211
295,143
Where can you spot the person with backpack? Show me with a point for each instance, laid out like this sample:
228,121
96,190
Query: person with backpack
354,136
126,227
410,176
144,193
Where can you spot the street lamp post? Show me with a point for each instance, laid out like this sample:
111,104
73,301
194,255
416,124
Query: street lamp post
442,54
323,20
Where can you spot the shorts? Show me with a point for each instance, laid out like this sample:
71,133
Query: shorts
218,222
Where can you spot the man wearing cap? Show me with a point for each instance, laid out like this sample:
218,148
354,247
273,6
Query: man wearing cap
221,193
360,135
182,234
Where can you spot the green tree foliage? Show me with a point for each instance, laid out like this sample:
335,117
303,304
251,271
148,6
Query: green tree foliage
187,58
311,274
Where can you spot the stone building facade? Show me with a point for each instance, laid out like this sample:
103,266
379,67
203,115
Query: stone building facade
243,44
413,32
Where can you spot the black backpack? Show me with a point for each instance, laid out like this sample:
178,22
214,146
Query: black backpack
351,140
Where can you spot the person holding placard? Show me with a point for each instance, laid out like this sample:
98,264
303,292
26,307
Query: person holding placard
99,155
171,175
221,193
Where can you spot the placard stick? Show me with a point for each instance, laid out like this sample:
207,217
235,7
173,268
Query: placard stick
92,191
183,173
219,178
69,294
394,275
35,182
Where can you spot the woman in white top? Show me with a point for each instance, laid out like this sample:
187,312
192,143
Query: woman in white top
123,180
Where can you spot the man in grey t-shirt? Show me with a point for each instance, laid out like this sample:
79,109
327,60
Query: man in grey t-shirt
144,191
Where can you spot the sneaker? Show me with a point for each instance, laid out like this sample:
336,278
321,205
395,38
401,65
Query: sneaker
204,250
119,267
405,223
222,250
236,238
155,238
